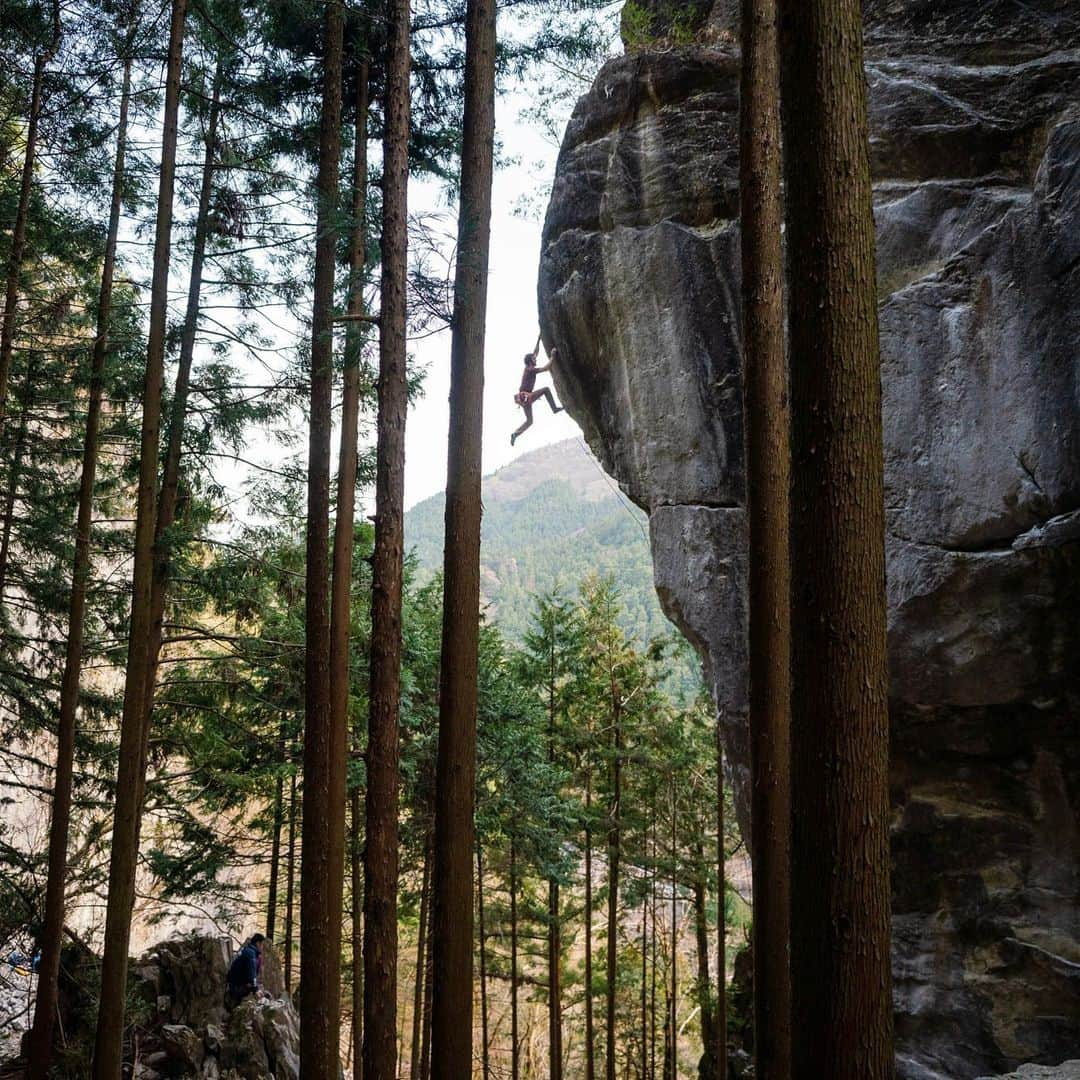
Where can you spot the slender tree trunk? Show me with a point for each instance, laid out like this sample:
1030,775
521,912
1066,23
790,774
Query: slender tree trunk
515,1039
356,867
381,847
555,1048
134,733
674,1017
429,979
290,879
485,1049
590,1029
421,966
18,234
18,452
768,468
655,955
325,739
840,975
275,843
701,936
614,845
41,1038
643,1069
720,1028
452,922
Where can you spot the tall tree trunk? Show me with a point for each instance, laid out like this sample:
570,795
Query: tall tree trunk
840,976
325,738
515,1039
768,470
701,937
613,853
290,886
169,497
381,834
720,1027
590,1030
134,733
643,1068
17,252
455,782
356,867
425,1041
485,1049
41,1038
275,842
421,966
18,452
655,954
673,1020
554,943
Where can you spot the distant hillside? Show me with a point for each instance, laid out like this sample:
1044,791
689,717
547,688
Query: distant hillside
550,517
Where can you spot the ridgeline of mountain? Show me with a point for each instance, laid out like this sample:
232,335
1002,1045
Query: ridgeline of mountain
550,518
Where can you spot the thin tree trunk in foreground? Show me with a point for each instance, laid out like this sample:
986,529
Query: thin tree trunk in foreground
134,734
290,886
322,858
275,844
720,1030
381,831
421,968
41,1038
701,939
590,1030
614,839
840,976
554,943
18,452
515,1039
356,920
485,1055
768,469
455,780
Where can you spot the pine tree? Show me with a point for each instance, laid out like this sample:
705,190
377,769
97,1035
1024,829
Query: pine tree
841,983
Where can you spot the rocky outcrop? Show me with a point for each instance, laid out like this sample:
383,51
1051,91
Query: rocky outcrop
975,112
191,1032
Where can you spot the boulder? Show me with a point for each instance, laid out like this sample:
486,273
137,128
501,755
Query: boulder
975,147
1067,1070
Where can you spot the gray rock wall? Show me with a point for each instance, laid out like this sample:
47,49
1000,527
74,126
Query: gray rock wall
975,113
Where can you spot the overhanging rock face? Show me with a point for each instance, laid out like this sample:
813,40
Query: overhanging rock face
975,114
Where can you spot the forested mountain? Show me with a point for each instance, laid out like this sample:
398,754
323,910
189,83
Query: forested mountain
551,518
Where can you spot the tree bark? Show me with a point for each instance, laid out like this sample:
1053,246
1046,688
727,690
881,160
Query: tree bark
485,1048
357,925
515,1040
613,853
701,937
18,452
134,733
840,976
381,833
275,843
425,1042
421,967
555,1047
322,864
290,880
720,1025
455,782
768,468
41,1037
590,1030
673,1019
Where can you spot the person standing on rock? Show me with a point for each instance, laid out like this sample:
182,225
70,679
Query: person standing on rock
244,971
526,395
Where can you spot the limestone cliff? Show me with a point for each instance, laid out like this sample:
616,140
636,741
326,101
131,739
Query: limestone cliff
975,113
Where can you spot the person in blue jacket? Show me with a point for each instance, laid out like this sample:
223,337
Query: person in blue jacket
245,969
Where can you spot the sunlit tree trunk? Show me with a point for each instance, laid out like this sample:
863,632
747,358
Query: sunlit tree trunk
290,885
485,1046
421,967
41,1038
134,734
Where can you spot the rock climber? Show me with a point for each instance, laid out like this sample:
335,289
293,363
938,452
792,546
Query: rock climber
526,395
244,971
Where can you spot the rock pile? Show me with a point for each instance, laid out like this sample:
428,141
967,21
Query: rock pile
190,1033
